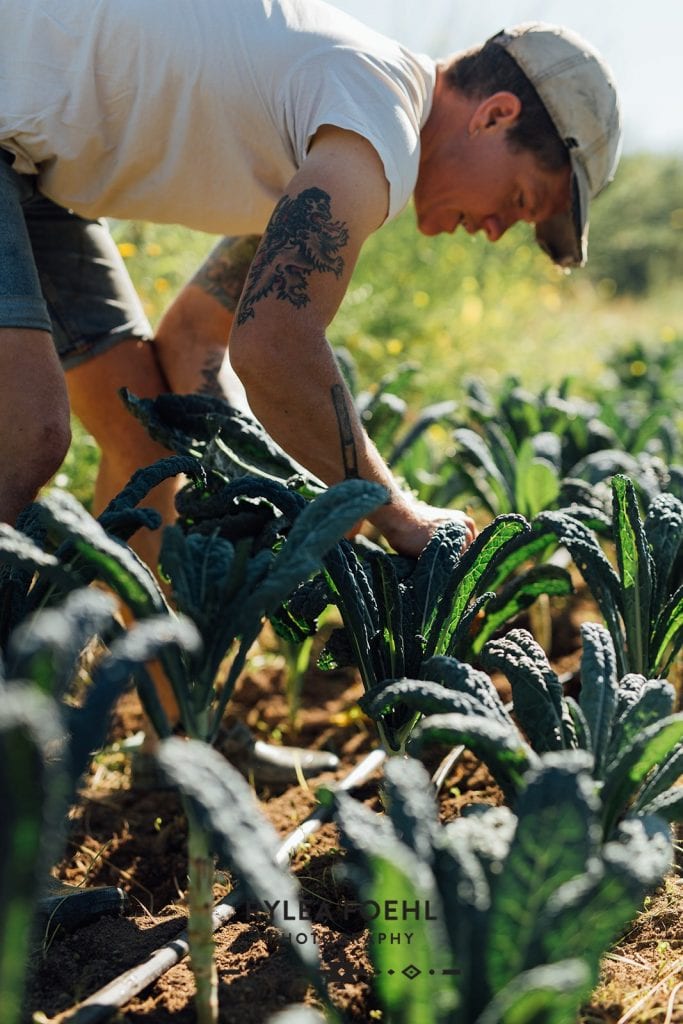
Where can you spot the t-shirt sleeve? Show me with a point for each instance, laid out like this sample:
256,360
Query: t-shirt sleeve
354,92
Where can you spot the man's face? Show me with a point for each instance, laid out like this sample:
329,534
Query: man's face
486,186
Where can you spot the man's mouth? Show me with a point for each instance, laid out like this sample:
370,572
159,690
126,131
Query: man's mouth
468,225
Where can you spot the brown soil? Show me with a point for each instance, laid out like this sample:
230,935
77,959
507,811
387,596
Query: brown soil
135,839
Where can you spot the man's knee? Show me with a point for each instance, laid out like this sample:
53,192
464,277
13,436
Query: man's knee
45,445
54,440
35,430
26,468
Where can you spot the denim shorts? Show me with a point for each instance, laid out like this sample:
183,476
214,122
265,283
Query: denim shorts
62,273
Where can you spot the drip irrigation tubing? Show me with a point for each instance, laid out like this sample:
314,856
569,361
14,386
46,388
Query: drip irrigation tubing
101,1005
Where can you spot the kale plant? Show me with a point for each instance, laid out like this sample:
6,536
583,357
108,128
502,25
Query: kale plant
58,547
45,746
521,906
627,725
641,600
34,790
224,819
633,742
228,443
399,613
526,453
222,591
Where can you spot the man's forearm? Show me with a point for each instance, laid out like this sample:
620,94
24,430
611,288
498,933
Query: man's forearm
296,390
293,290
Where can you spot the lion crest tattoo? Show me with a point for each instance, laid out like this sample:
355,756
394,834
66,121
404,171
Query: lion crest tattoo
300,238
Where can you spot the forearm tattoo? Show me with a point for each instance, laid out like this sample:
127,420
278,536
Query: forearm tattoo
348,443
225,269
210,384
301,237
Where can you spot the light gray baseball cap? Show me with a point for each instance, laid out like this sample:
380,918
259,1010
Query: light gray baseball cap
577,89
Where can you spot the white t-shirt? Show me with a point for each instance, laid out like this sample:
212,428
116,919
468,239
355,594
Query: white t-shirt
198,112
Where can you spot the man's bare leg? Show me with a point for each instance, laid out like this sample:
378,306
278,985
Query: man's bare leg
125,444
188,355
34,417
126,447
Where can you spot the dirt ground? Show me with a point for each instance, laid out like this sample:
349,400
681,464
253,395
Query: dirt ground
134,838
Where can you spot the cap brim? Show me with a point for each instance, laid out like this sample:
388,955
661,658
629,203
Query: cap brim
564,237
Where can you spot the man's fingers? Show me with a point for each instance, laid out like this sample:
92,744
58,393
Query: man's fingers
469,524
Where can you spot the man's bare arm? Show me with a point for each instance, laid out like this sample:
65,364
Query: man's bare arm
278,345
223,273
192,337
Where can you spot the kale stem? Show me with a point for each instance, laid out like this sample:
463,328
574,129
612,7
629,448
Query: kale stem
200,926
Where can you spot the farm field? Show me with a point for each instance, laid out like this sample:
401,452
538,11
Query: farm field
543,868
135,839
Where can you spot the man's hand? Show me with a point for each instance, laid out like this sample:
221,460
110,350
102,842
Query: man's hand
408,524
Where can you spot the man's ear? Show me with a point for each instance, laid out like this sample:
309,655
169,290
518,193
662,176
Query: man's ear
500,110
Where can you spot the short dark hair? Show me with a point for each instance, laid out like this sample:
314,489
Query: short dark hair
486,69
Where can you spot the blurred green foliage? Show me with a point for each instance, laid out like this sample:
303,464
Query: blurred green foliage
636,238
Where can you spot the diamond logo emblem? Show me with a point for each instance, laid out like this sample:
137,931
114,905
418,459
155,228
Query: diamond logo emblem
411,972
